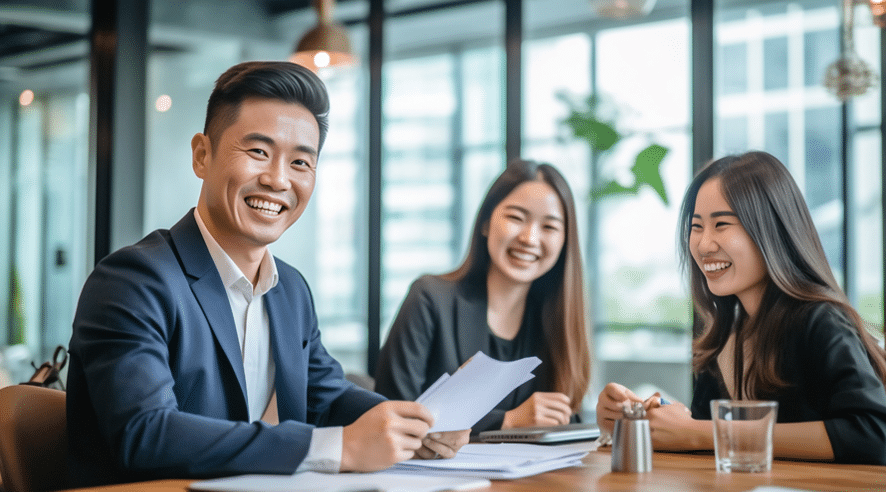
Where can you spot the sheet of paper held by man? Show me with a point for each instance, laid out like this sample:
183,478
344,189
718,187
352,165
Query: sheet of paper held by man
459,401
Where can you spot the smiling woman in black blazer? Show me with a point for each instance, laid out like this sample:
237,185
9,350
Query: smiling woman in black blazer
518,293
777,326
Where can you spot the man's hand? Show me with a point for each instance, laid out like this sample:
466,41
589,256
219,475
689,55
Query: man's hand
388,433
443,444
610,405
540,409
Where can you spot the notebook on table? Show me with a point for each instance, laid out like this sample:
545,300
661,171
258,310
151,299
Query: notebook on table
555,434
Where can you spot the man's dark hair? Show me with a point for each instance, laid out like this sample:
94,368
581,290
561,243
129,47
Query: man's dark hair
279,80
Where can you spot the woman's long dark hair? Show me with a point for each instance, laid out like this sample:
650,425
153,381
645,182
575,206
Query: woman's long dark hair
560,290
770,207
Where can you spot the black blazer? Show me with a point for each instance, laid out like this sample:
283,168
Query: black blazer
440,325
830,378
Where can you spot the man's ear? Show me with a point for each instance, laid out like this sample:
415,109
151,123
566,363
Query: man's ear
201,152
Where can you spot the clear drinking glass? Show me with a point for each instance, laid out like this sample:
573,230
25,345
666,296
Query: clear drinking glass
743,434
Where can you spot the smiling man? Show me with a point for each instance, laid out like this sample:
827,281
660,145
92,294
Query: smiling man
196,353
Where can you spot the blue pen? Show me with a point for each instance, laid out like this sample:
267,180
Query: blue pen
662,401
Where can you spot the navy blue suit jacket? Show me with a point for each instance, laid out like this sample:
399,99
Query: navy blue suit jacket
156,385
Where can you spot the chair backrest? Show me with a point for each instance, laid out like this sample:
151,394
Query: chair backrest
364,381
33,439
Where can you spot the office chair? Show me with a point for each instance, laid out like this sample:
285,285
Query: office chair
364,381
33,439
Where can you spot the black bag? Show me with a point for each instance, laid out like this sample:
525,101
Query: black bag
48,375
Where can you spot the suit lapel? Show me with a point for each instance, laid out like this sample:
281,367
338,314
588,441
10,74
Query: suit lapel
290,374
207,286
473,334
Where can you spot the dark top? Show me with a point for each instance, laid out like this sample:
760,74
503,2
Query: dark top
442,324
831,379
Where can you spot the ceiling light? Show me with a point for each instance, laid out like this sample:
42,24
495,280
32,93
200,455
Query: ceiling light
849,76
623,9
878,9
327,44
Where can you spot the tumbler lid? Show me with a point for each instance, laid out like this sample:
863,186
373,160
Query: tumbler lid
634,411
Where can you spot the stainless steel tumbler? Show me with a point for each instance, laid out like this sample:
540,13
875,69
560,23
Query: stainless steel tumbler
631,441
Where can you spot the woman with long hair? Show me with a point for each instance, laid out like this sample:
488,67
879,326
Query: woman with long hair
777,326
519,293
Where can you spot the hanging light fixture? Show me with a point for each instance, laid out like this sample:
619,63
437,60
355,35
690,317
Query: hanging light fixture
327,44
849,76
878,9
623,9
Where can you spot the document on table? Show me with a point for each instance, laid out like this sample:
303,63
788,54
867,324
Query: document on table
339,482
459,401
497,461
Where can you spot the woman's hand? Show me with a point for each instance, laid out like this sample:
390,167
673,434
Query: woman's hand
540,409
610,405
673,428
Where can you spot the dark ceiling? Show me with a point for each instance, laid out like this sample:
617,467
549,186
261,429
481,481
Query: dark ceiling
275,7
19,40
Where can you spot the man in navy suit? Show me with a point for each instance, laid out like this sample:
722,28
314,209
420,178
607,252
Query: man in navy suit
196,353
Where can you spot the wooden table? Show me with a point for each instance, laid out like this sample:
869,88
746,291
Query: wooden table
670,472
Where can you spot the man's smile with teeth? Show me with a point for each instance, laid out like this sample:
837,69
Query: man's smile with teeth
713,267
264,206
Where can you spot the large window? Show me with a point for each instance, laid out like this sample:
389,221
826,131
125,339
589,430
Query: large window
443,140
638,69
865,205
44,135
780,104
770,95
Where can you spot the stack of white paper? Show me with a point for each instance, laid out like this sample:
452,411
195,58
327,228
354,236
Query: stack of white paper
498,461
459,401
339,482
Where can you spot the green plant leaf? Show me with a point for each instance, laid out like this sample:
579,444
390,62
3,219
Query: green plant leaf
647,169
600,135
613,188
591,120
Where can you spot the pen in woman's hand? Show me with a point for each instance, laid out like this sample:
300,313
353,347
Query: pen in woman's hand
648,403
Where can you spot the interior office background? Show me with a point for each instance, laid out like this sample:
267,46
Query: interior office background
418,131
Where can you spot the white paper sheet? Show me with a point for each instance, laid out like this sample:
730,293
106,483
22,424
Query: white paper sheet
459,401
339,482
498,461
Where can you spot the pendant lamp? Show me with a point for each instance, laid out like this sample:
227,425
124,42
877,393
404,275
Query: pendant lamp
623,9
878,9
849,76
327,44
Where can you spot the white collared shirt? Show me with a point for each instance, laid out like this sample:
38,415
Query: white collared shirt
251,320
254,334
